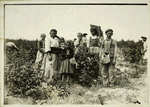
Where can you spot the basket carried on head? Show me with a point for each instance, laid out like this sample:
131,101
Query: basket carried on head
98,29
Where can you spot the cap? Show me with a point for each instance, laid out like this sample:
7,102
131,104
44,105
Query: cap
143,37
108,30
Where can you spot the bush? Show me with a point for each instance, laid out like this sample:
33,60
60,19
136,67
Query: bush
20,77
121,78
88,66
23,80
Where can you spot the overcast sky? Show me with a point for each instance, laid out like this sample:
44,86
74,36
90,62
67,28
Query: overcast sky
29,21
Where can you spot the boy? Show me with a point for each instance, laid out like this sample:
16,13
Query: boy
109,46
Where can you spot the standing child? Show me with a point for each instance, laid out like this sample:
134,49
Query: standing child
84,39
41,49
65,55
94,45
109,48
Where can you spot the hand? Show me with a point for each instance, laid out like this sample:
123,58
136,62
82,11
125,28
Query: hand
50,58
101,61
114,61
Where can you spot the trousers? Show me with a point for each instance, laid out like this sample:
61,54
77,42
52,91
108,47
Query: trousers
107,73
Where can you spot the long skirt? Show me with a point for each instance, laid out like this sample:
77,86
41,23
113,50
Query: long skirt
50,65
66,67
39,57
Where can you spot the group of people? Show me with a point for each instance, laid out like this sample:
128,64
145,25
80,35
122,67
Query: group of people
56,55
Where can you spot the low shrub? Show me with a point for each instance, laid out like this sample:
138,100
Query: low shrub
88,66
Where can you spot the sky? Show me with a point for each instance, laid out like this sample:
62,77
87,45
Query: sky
29,21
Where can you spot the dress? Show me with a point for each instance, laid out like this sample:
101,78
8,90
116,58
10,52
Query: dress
40,55
50,63
66,67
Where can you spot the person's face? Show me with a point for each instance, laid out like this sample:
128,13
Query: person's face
68,44
62,44
79,36
144,39
109,34
52,34
43,37
93,32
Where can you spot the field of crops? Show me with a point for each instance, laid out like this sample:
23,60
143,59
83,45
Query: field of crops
24,84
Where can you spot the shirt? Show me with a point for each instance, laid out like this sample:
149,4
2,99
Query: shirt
107,47
78,43
50,42
94,37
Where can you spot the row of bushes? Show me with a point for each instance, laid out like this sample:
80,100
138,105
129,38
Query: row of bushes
21,78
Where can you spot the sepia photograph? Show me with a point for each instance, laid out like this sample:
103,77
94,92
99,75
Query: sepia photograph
75,53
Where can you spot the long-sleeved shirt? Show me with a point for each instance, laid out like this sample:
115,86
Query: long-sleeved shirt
50,42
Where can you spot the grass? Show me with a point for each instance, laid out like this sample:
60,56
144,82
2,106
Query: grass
125,94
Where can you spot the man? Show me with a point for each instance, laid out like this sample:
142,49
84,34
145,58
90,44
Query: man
144,49
109,46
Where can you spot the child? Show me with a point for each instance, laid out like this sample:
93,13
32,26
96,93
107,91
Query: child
65,55
84,39
41,50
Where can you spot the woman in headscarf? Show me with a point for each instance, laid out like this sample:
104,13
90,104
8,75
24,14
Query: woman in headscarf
51,58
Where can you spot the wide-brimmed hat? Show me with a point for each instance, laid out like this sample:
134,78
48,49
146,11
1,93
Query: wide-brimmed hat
108,30
97,28
143,37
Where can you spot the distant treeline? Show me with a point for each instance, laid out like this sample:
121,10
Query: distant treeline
131,49
27,44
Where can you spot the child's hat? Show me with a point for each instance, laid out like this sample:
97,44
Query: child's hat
84,34
62,39
143,37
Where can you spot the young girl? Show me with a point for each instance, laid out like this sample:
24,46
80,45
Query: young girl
65,55
41,50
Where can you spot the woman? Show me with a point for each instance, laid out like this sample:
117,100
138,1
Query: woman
51,58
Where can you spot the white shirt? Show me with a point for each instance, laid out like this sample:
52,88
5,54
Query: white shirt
145,49
76,42
50,42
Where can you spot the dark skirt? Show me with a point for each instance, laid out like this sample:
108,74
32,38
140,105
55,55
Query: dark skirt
66,67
